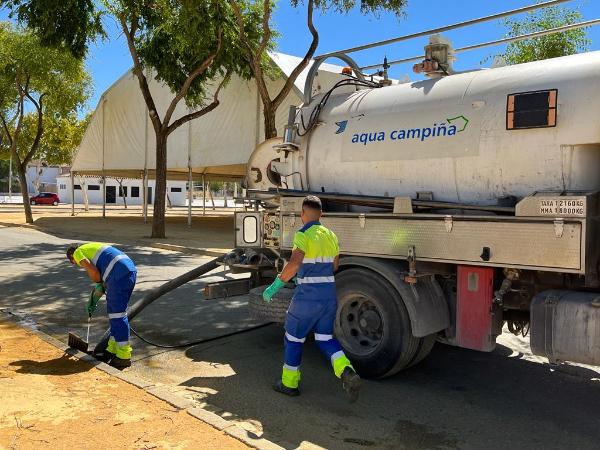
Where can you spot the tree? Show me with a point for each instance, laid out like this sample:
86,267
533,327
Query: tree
549,46
69,24
186,44
39,86
255,47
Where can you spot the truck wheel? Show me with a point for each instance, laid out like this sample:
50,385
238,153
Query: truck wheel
425,348
270,312
373,325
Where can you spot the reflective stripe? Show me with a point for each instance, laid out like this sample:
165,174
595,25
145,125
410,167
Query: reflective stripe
122,343
318,259
337,355
98,253
310,280
117,315
111,265
323,337
285,366
293,339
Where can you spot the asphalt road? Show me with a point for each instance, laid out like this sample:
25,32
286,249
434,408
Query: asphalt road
456,398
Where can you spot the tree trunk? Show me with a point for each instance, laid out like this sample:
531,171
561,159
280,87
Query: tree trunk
270,128
158,220
25,193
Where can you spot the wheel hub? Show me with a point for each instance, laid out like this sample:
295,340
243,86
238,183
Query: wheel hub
361,324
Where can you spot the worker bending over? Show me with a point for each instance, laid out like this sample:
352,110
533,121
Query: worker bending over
113,272
315,258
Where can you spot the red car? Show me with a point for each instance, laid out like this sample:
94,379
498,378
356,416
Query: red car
45,198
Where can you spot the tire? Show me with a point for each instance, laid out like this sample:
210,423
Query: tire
373,325
270,312
32,202
55,203
424,350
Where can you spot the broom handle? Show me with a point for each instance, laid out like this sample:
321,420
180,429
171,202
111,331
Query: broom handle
87,338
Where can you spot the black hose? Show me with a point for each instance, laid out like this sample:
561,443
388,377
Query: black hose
159,292
200,341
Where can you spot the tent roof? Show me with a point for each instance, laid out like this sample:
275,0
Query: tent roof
120,140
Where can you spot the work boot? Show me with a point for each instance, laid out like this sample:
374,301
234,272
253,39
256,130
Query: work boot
351,383
105,357
119,363
282,389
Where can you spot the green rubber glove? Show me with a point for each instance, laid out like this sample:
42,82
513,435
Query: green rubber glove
95,297
272,290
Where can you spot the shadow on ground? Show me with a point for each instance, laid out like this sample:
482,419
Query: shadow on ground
54,293
64,365
456,398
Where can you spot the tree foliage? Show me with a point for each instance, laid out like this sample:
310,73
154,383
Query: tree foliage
41,89
549,46
366,6
71,24
191,45
61,137
192,41
256,52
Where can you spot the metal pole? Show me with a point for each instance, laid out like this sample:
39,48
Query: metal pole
103,196
203,195
72,194
145,195
444,28
522,37
190,179
190,195
10,179
103,171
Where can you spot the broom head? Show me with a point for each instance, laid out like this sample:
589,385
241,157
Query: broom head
77,343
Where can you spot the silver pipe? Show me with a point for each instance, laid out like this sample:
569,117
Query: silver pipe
523,37
445,28
530,35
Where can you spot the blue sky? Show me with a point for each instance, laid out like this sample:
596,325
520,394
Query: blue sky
108,60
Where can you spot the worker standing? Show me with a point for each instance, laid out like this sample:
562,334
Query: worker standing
315,258
115,273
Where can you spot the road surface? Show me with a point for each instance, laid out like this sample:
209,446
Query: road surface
456,398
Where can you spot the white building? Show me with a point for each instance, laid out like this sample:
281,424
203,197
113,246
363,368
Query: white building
41,177
131,191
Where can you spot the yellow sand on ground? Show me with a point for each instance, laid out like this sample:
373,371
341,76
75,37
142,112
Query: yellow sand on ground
51,400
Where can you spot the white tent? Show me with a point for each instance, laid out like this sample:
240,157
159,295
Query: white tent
119,142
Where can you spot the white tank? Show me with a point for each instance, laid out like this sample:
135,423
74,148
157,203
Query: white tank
449,136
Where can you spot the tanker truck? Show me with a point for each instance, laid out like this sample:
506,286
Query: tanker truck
463,202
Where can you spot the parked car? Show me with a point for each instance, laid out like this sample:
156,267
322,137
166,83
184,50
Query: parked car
45,198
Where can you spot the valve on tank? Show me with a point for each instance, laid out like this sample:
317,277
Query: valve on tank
438,58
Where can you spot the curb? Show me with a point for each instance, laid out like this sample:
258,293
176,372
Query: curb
160,392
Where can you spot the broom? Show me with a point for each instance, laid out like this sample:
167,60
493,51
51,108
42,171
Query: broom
75,341
78,343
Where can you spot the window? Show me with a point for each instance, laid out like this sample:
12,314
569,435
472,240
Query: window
77,187
135,191
122,191
63,186
175,189
93,187
531,110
